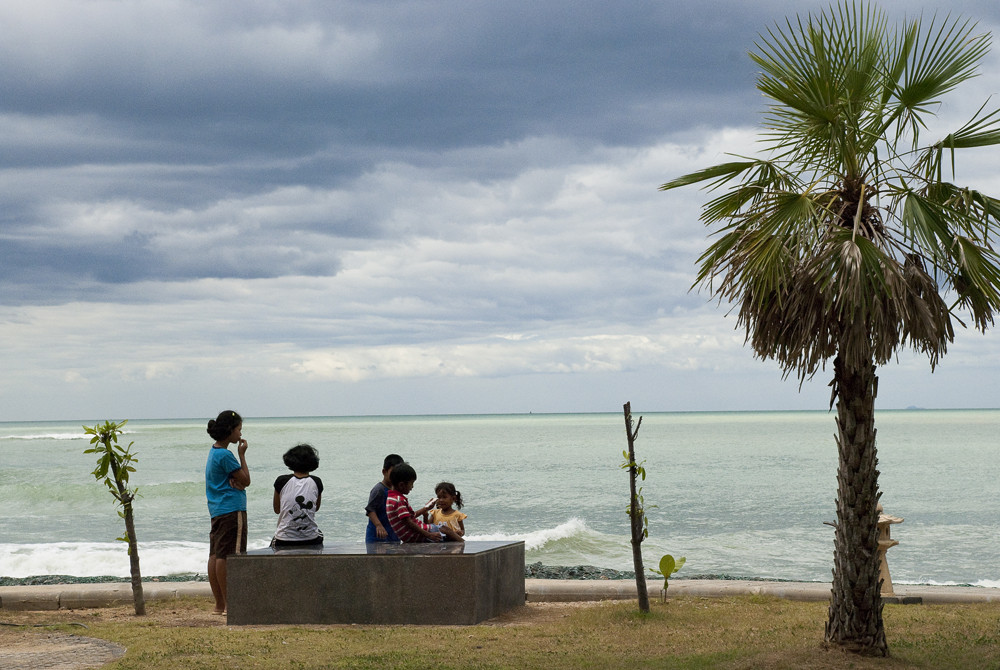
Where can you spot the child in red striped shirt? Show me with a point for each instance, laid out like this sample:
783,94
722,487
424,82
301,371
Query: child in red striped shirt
403,519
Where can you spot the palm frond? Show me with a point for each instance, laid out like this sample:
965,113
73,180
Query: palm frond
926,222
980,131
901,47
718,174
977,281
827,78
972,213
927,327
949,55
983,130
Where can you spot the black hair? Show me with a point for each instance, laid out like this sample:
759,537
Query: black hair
301,458
222,426
402,472
391,461
451,490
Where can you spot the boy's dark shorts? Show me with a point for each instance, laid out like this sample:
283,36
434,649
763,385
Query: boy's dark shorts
229,535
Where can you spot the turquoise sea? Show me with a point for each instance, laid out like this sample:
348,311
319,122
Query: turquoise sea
741,494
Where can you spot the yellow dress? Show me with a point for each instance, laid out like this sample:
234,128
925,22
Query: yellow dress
439,517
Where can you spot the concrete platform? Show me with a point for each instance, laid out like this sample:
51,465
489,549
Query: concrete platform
457,583
80,596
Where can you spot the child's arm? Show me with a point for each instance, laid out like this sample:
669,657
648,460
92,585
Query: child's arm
426,508
412,524
319,499
379,528
240,479
461,528
277,502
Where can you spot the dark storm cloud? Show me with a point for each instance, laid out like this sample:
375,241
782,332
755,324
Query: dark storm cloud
399,74
293,80
175,107
352,190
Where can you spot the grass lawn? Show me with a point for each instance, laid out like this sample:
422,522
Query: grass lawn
686,632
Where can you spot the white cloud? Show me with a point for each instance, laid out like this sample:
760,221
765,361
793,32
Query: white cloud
532,353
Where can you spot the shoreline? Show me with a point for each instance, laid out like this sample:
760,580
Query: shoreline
537,571
86,596
531,571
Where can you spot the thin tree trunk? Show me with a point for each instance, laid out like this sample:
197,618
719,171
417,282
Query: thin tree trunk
138,599
855,621
635,514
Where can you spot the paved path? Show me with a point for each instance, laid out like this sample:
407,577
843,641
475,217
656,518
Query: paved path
56,651
554,590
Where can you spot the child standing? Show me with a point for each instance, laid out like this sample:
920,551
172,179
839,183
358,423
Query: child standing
297,498
403,519
443,513
378,529
226,479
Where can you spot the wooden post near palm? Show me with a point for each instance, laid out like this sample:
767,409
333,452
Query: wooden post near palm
885,542
635,510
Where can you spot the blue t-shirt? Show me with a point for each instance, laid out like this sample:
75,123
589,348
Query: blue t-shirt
376,503
222,498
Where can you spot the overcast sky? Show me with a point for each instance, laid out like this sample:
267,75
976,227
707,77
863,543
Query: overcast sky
340,208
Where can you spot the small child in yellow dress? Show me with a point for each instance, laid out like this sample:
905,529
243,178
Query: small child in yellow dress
449,501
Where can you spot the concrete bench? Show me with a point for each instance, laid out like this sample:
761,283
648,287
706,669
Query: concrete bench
426,583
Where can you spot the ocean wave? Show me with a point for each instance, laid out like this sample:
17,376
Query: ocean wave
538,539
988,583
571,542
984,583
47,436
75,435
104,559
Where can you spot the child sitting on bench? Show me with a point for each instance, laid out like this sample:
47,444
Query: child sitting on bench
403,519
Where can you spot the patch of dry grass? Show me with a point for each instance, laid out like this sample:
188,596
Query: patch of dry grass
737,632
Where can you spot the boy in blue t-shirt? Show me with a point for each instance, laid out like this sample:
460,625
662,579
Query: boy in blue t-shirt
378,529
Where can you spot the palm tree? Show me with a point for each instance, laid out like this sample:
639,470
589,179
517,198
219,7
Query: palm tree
845,242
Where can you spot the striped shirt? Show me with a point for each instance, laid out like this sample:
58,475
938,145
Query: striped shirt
398,509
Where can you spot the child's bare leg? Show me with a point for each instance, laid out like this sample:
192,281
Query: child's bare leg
217,580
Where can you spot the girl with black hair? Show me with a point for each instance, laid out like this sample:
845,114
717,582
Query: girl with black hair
226,479
297,497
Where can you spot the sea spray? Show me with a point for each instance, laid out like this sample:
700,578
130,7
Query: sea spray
569,543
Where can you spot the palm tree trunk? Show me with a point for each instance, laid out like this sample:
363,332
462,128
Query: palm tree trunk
855,621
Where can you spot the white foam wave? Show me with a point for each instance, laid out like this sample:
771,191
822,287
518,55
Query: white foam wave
46,436
984,583
162,558
99,559
988,583
537,539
